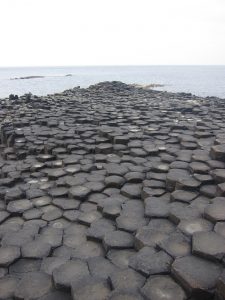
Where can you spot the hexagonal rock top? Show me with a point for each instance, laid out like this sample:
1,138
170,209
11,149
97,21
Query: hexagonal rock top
198,276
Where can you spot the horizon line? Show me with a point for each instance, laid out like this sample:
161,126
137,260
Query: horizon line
119,65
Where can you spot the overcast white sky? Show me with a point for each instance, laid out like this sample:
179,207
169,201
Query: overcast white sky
111,32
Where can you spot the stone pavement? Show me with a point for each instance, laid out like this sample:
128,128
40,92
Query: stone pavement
112,192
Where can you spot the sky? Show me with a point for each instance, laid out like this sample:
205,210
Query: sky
112,32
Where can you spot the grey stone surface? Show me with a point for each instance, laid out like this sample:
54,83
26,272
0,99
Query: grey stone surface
162,287
112,179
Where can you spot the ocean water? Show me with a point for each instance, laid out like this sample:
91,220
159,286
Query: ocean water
198,80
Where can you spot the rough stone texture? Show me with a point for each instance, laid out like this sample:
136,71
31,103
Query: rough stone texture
89,287
69,272
197,275
113,181
162,287
33,286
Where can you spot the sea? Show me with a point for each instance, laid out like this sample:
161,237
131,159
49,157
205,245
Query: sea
199,80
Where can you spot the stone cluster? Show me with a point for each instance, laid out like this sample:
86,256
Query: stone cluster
112,192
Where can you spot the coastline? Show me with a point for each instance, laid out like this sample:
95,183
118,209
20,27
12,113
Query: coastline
110,181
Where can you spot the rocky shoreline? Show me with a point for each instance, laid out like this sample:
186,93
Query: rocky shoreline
112,192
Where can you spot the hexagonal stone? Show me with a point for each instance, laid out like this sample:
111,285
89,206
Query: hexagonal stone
126,279
216,211
56,295
95,186
33,285
118,239
35,249
42,201
163,225
104,148
130,223
49,264
217,152
13,194
183,196
134,177
33,213
101,267
24,266
149,262
8,286
3,216
131,190
209,190
79,192
8,255
87,250
189,227
128,295
71,181
69,272
162,287
114,181
16,238
176,245
111,210
180,211
65,203
58,192
199,167
209,245
52,213
200,203
218,175
156,207
116,169
196,275
220,287
87,218
99,228
220,228
89,287
120,258
19,206
173,176
151,192
55,173
148,237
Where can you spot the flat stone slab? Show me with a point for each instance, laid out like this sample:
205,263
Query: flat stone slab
8,255
92,288
198,276
70,272
162,287
33,286
118,240
127,279
148,262
209,245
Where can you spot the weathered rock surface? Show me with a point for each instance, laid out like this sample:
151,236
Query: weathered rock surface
112,192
